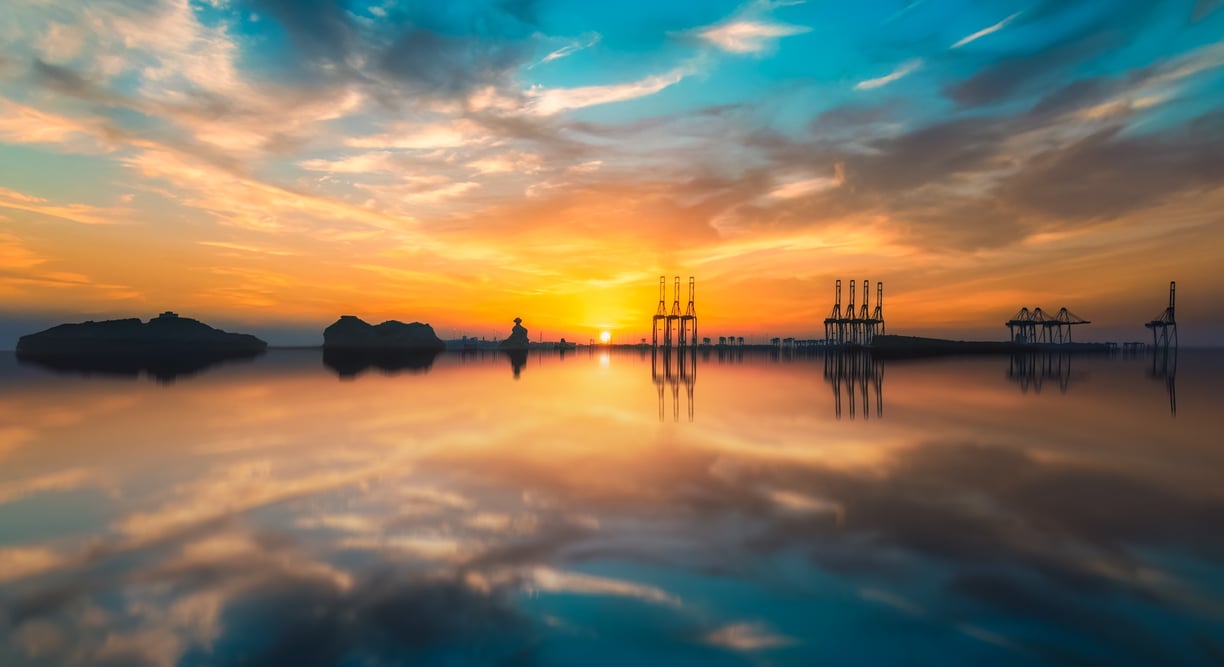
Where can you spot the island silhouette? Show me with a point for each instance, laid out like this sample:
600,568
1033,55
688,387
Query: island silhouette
351,345
352,333
166,347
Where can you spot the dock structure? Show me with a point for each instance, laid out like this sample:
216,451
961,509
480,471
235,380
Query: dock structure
1165,324
855,325
660,316
835,331
877,317
1133,348
851,317
679,328
1038,326
674,317
792,347
688,321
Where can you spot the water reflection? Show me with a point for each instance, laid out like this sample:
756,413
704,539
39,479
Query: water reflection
349,364
164,368
1164,368
855,373
518,359
1032,370
679,367
267,514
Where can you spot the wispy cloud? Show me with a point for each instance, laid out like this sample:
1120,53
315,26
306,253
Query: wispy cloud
448,134
15,255
20,562
548,101
62,480
747,637
904,10
551,580
750,29
21,124
570,49
512,162
82,213
364,163
247,248
986,31
745,36
806,186
419,190
902,70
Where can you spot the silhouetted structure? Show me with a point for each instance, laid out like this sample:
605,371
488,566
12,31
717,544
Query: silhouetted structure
1038,326
877,317
673,317
166,347
835,333
1166,323
660,317
855,326
518,339
792,347
850,317
688,321
683,323
1133,348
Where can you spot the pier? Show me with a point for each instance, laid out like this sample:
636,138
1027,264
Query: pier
1037,326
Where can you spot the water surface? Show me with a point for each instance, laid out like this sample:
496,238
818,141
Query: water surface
598,508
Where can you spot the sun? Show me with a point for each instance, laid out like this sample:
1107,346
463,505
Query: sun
605,337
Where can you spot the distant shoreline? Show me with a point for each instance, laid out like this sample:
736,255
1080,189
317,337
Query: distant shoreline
638,346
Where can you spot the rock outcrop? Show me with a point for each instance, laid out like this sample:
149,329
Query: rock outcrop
165,334
518,339
351,333
165,347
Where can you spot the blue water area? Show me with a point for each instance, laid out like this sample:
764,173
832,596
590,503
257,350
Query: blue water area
611,507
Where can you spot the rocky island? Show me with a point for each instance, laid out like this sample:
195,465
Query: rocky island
352,333
350,346
165,346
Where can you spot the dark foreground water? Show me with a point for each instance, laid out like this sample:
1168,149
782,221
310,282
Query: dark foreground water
596,511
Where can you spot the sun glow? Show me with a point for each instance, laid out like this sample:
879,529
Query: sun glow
605,337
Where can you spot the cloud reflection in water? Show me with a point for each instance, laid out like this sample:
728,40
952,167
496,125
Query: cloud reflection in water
270,514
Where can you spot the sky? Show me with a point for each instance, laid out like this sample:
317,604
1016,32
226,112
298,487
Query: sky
269,165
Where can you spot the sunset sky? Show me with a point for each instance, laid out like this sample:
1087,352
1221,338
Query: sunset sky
268,165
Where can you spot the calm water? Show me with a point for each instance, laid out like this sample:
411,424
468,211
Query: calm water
594,510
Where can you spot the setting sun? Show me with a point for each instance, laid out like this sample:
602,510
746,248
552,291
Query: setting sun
605,337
